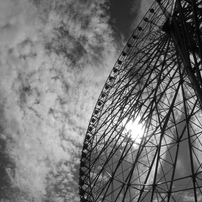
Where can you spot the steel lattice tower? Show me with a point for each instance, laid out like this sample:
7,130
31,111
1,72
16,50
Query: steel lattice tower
157,81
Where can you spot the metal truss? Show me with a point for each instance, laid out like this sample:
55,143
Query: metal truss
156,79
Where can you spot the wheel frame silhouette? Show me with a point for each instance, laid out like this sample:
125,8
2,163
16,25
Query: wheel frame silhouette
157,80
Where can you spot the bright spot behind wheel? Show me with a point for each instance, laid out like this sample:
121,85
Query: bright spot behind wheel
135,129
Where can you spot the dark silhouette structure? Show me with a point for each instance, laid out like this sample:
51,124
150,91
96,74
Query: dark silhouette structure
157,81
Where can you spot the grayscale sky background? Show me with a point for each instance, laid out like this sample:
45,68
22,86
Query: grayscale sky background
55,56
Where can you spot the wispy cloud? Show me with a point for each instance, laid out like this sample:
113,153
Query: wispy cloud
55,57
143,8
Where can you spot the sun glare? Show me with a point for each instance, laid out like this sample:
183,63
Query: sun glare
135,129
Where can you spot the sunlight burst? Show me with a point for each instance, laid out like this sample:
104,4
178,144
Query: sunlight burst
135,129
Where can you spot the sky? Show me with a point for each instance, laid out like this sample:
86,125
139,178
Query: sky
55,56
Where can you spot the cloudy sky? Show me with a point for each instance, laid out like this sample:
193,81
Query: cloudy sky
55,56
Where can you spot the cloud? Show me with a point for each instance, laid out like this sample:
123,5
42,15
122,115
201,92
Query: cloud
55,57
14,16
143,8
190,197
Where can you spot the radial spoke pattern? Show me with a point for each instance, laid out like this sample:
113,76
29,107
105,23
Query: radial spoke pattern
152,81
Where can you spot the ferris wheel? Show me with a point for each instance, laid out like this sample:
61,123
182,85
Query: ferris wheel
144,139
